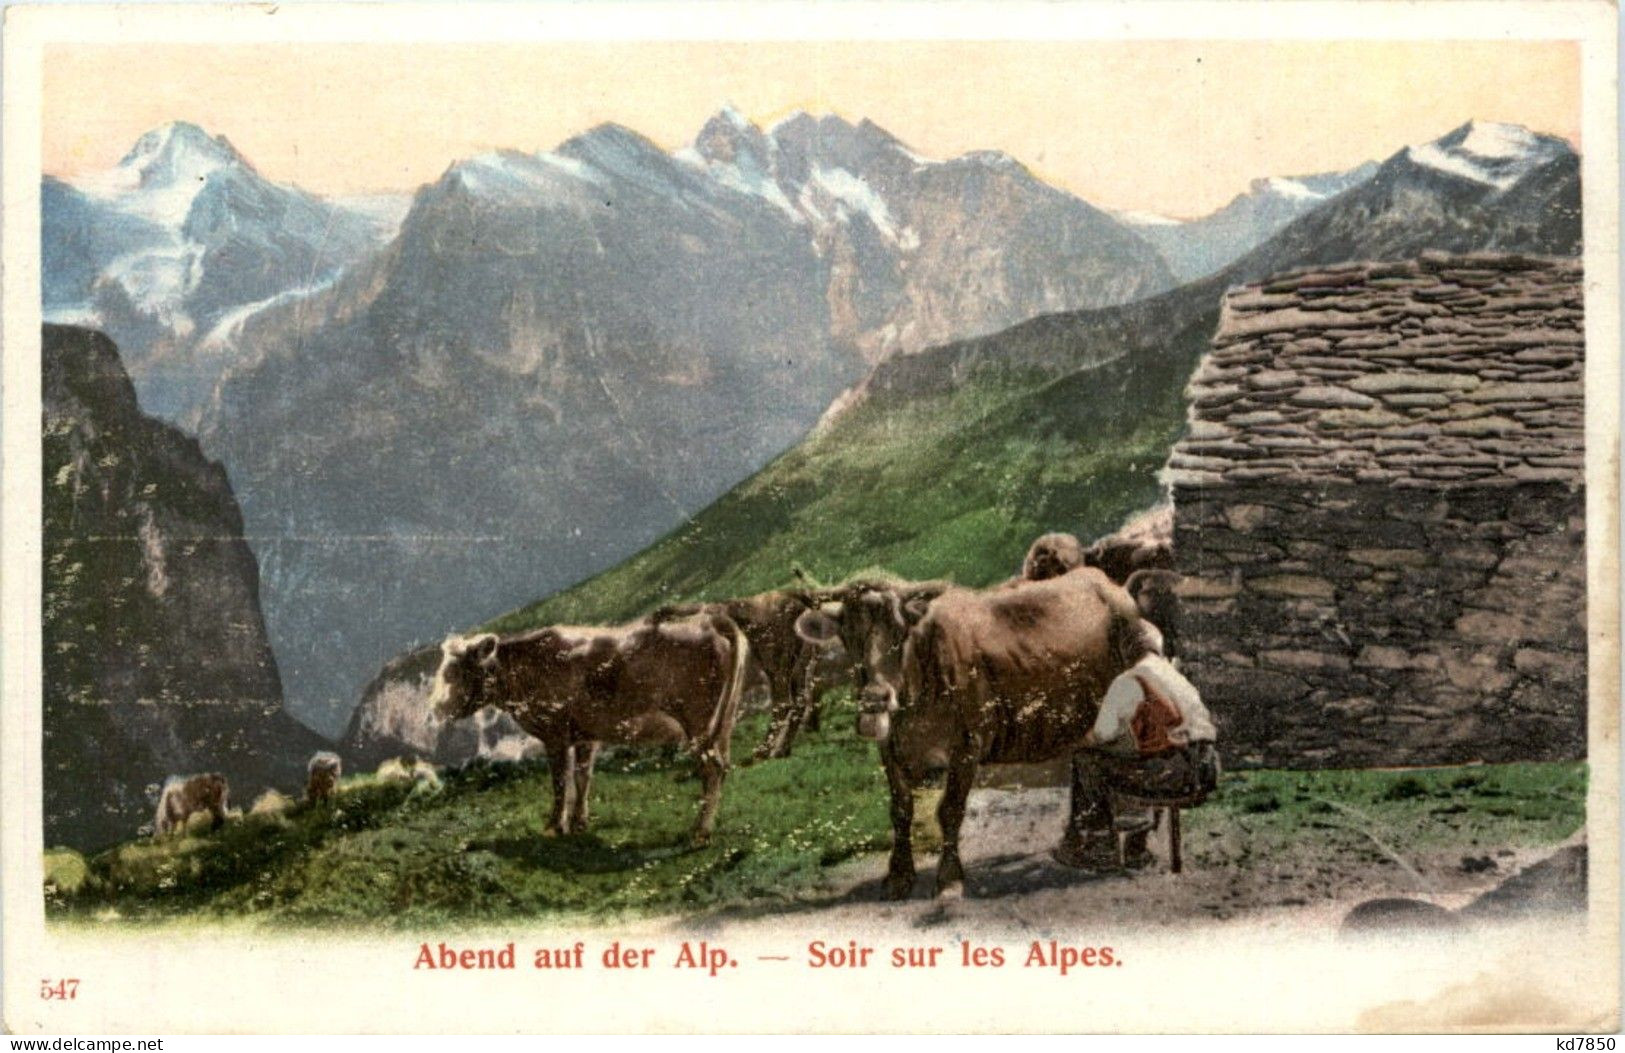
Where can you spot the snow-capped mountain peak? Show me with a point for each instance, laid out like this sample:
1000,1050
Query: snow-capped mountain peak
730,113
178,238
730,138
177,150
734,152
1490,153
513,177
1197,247
163,173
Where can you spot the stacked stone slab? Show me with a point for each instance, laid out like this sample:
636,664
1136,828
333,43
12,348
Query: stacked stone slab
1379,514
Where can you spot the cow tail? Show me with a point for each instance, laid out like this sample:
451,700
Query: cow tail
733,688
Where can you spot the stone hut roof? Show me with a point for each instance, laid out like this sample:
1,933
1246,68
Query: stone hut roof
1445,371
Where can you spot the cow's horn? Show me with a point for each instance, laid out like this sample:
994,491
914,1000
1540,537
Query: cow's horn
484,646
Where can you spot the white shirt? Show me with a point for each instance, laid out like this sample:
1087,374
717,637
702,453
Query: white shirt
1124,696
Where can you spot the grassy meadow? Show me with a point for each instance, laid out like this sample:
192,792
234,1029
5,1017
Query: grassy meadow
788,833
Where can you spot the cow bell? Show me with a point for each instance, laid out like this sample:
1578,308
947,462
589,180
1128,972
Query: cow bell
874,726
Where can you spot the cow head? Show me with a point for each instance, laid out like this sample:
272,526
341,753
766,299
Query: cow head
468,665
871,622
1051,556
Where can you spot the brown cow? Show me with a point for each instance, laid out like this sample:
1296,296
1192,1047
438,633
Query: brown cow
1144,543
785,660
870,620
574,688
185,795
1051,556
1010,675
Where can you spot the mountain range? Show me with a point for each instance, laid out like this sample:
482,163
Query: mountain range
556,358
948,462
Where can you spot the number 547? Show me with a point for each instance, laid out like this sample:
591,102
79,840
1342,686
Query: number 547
61,990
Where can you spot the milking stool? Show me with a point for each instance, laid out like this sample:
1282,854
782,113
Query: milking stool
1170,805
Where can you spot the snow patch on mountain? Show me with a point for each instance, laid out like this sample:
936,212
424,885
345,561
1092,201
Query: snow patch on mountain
1493,154
159,278
230,325
1197,247
163,173
744,175
524,179
1292,189
180,242
853,195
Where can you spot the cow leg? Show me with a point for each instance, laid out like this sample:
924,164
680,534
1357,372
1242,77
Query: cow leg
798,709
950,816
784,702
713,763
900,871
810,692
804,697
812,712
586,753
559,767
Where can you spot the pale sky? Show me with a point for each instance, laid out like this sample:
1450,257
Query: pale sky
1174,127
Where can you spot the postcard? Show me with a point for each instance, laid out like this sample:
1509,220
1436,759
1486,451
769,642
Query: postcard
793,517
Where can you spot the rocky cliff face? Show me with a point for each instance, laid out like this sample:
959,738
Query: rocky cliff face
920,251
156,658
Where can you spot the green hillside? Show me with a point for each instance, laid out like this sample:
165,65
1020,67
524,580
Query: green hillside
953,484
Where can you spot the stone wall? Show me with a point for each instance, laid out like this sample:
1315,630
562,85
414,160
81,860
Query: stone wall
1352,625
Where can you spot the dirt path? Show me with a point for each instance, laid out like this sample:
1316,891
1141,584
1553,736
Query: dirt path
1231,875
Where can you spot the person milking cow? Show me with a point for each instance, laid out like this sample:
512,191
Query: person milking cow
1153,739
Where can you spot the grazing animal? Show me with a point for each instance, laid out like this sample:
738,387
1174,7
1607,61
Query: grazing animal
1051,556
271,802
322,775
1143,544
785,660
185,795
408,768
1011,675
870,620
574,688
